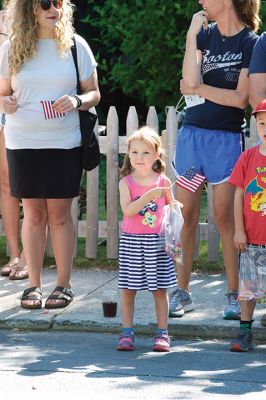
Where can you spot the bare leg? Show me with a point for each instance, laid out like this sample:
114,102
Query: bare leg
11,218
161,307
127,307
223,202
34,238
9,205
63,240
191,212
247,310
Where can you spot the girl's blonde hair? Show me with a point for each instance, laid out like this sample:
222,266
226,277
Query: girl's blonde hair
248,13
22,26
151,138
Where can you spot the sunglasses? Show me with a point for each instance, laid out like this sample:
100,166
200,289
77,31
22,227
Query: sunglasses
46,4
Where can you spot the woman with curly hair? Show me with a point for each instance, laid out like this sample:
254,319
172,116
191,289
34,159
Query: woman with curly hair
42,132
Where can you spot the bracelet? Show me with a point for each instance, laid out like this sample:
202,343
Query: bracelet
79,102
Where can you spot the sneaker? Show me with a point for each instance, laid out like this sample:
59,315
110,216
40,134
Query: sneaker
126,342
232,308
243,342
161,343
180,303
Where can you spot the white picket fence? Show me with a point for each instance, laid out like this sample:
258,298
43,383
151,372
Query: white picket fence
112,145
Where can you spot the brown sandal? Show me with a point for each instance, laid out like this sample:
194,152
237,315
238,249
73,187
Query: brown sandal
6,269
32,294
66,296
20,272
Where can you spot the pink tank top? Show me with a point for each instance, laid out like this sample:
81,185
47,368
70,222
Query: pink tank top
149,219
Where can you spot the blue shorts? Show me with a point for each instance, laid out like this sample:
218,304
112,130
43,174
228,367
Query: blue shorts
210,153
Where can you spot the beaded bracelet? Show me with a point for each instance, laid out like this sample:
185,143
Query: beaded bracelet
79,102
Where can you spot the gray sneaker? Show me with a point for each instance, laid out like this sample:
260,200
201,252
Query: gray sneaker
180,303
232,308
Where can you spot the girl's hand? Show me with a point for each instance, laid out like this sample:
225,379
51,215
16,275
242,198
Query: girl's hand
65,104
185,89
156,193
9,104
198,20
240,240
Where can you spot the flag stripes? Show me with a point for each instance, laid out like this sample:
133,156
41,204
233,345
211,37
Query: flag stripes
49,112
190,180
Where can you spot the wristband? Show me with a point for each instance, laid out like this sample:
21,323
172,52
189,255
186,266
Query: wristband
79,102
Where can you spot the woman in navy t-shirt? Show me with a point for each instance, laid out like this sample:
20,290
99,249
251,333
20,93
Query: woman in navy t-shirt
215,85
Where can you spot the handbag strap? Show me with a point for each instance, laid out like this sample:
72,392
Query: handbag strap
75,58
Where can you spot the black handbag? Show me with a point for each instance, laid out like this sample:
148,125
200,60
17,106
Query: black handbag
90,146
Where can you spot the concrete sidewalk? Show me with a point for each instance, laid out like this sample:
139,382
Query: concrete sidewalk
85,312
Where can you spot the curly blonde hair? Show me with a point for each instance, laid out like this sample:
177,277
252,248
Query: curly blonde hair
151,138
22,25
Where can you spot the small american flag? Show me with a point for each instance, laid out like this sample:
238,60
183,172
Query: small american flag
190,180
48,110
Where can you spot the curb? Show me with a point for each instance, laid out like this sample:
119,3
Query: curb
80,324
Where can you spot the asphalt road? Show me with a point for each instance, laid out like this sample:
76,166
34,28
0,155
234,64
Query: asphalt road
71,365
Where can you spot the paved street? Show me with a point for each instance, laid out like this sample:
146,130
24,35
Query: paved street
45,365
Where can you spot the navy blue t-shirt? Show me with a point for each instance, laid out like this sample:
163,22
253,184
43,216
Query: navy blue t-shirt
258,59
222,60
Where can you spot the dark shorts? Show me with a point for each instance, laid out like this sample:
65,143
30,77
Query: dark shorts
44,173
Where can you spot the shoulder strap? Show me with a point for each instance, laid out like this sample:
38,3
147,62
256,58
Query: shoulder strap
75,58
129,180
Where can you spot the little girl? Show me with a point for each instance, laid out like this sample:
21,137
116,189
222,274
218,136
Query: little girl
143,265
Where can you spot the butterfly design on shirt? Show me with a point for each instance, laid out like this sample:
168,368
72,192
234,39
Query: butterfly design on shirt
152,206
149,218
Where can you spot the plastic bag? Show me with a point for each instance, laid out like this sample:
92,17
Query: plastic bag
171,229
252,274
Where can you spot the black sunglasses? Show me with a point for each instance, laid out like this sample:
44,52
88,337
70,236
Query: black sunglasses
46,4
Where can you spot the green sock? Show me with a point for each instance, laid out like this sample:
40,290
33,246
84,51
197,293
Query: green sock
246,325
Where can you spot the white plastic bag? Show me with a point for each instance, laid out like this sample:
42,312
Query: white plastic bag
252,274
171,229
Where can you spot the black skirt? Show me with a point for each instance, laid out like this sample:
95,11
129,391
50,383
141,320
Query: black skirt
44,173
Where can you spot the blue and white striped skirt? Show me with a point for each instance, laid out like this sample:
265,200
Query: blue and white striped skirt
143,264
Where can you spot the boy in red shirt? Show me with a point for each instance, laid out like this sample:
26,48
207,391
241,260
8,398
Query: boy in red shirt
249,177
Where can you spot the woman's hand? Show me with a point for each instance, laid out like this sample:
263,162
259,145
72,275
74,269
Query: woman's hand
65,104
198,20
9,104
185,89
240,240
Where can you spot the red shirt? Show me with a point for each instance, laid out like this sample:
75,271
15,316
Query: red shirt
249,174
